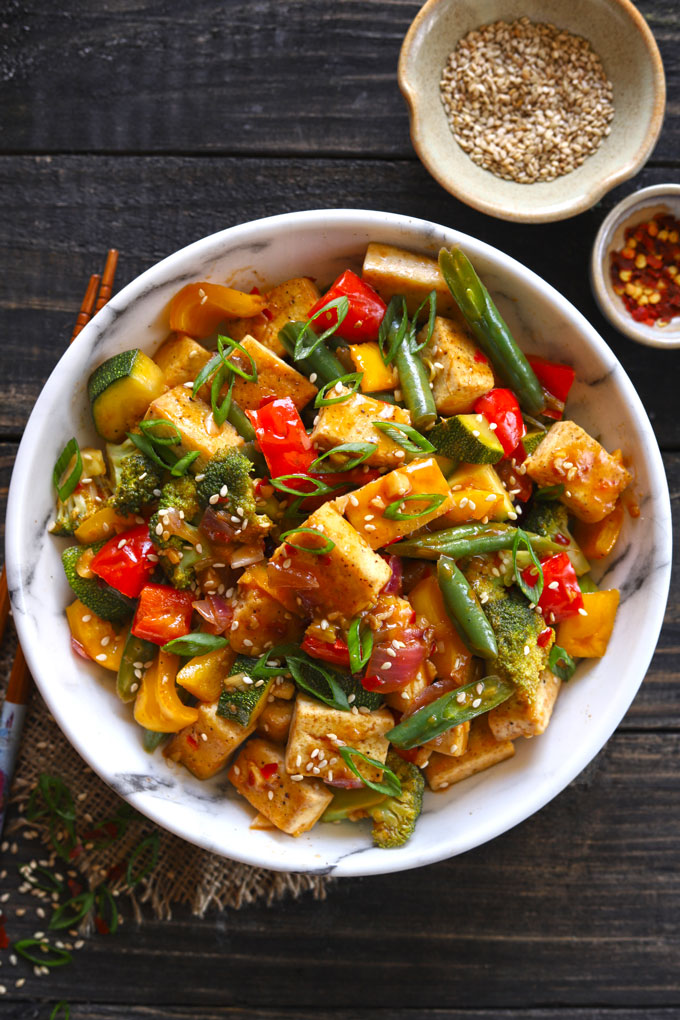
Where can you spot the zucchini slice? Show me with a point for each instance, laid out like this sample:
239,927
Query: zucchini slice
243,698
465,438
120,391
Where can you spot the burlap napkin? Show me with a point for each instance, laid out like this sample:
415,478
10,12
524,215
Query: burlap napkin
184,873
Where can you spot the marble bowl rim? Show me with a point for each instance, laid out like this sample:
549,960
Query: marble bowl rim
245,236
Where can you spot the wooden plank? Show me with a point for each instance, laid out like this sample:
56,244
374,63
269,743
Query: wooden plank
92,1011
302,77
577,907
48,248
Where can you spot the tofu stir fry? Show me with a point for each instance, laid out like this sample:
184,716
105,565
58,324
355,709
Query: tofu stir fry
339,544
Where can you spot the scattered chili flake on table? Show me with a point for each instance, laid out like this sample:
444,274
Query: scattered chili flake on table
645,272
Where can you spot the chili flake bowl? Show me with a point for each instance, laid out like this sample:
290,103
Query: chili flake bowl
621,38
82,697
641,206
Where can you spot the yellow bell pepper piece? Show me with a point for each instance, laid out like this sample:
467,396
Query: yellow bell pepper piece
157,706
104,523
377,375
203,676
587,637
597,540
199,308
96,637
451,657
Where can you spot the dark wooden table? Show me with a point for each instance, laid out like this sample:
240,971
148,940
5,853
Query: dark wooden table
147,125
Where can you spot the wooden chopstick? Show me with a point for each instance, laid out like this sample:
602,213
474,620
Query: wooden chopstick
87,307
107,278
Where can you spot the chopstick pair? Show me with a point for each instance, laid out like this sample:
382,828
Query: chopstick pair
13,710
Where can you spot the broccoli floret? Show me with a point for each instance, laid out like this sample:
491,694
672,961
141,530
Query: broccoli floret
81,504
228,468
395,818
549,517
175,537
133,477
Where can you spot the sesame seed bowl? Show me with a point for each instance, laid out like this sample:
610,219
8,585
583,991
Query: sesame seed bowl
531,101
636,211
83,701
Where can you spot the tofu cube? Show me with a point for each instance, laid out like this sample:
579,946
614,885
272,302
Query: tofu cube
353,418
460,375
519,718
294,807
260,622
196,425
316,732
593,479
453,742
206,757
181,359
391,271
482,752
348,578
365,507
402,700
274,721
275,377
290,301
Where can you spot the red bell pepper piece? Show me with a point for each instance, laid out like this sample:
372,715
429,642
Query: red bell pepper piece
561,596
556,381
336,653
123,562
366,309
500,408
282,437
163,613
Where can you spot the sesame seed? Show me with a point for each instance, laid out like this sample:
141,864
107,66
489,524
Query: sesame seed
101,657
297,779
583,612
247,642
475,433
199,478
224,491
105,641
133,688
369,527
399,454
313,377
476,703
386,665
526,649
86,617
493,426
460,698
554,585
270,795
369,517
159,528
214,499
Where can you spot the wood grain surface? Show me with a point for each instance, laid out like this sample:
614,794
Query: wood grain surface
145,125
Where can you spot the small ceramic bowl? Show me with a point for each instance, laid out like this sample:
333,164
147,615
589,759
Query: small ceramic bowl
639,207
619,35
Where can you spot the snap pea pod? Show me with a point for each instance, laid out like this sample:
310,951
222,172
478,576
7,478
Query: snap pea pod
490,330
450,710
151,740
135,650
239,419
469,540
464,611
321,362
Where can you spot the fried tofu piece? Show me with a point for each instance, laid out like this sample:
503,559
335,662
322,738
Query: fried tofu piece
181,358
348,578
290,301
274,721
453,742
196,425
482,752
519,718
391,271
593,479
353,418
206,757
461,376
316,732
261,622
294,807
275,377
402,700
365,507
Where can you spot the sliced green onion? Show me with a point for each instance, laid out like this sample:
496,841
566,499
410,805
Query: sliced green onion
262,670
52,884
149,847
321,550
406,436
59,958
65,845
74,910
63,460
393,328
61,1011
362,452
561,663
184,463
147,448
195,644
352,379
173,439
206,372
549,492
393,513
221,411
302,349
432,314
319,488
532,593
57,796
106,902
390,784
360,645
232,366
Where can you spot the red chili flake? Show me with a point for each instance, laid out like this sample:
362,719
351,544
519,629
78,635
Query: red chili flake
75,888
544,637
192,740
645,272
269,770
561,539
267,314
101,926
481,358
4,938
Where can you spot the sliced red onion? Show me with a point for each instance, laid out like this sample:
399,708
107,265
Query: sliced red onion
79,649
394,585
217,526
431,693
216,611
246,556
293,576
388,672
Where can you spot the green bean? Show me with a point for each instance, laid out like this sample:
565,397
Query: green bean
239,419
450,710
151,740
489,329
415,387
321,362
456,542
136,650
464,610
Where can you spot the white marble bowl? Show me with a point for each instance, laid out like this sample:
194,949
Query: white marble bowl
82,697
626,46
641,206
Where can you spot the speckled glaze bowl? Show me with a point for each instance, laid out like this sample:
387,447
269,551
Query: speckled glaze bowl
82,698
619,35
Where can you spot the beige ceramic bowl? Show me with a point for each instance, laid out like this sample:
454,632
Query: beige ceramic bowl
619,35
